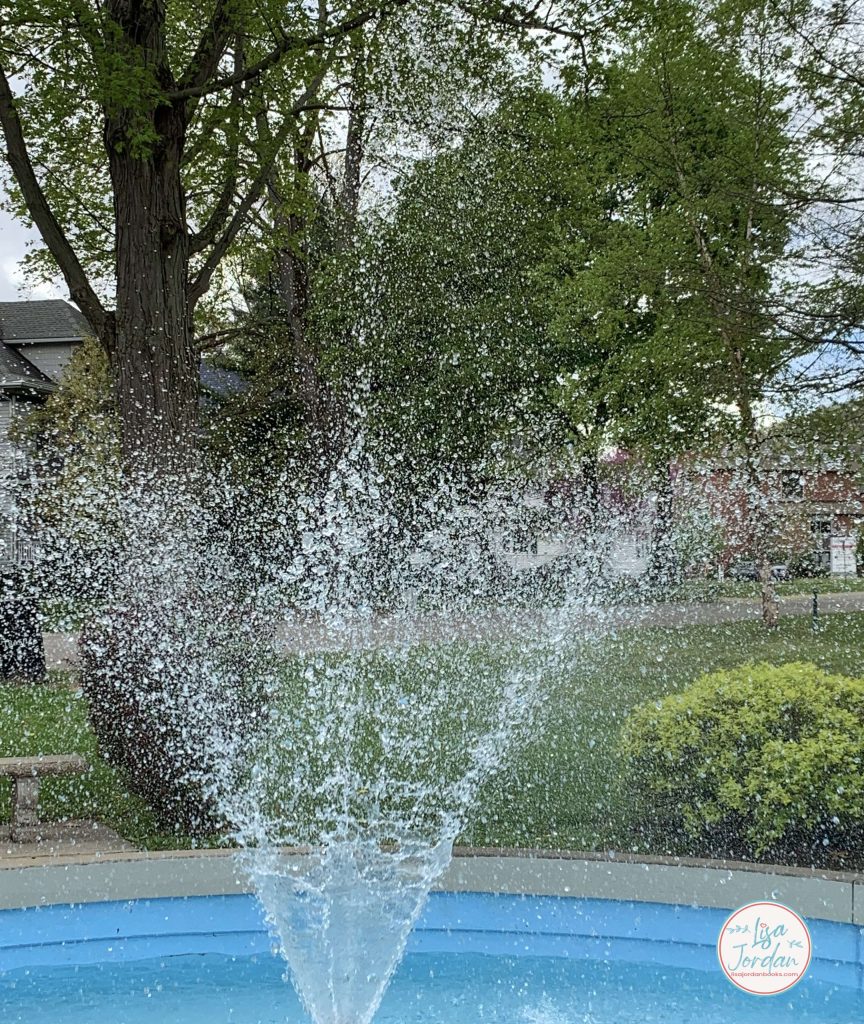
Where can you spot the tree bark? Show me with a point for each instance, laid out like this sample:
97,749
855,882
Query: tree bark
153,355
757,517
768,593
292,275
154,358
355,147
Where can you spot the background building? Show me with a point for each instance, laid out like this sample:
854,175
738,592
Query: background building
37,340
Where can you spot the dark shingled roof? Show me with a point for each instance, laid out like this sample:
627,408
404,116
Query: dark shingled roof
17,372
56,320
40,320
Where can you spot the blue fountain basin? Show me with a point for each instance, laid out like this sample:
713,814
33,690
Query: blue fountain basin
499,958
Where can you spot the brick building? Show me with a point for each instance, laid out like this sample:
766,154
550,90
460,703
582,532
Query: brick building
807,511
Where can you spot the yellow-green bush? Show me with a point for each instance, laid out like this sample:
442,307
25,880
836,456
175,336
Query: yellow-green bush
758,761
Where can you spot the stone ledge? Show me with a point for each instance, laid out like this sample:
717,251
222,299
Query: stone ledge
79,878
44,842
614,857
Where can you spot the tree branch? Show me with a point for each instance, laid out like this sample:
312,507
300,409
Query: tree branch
216,339
516,17
205,61
286,44
222,210
199,241
202,280
80,289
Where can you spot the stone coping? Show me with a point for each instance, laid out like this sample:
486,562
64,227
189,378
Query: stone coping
823,895
70,855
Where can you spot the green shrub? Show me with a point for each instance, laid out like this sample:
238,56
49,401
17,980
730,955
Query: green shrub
757,761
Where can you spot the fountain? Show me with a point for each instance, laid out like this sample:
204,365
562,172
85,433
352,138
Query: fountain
343,922
320,671
326,682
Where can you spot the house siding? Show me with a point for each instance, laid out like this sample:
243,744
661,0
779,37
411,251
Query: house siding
7,450
51,358
7,470
832,496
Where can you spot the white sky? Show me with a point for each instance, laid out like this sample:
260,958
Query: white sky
13,245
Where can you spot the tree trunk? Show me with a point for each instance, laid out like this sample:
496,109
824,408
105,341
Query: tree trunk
770,606
152,349
293,281
355,147
662,568
323,419
757,514
153,355
759,541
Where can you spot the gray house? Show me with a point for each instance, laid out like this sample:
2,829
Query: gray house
37,340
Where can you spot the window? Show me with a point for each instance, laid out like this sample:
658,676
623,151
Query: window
792,484
821,528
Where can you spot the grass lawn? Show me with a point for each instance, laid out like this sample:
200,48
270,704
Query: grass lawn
567,788
52,719
564,790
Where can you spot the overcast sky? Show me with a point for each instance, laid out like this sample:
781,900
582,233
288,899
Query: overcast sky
13,245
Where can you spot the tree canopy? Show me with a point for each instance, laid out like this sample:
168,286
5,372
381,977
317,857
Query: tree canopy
143,139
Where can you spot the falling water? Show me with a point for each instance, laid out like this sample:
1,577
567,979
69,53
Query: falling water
335,672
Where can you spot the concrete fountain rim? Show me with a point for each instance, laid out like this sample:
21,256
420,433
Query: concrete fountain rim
32,881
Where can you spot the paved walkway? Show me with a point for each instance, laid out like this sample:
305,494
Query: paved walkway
61,649
78,839
738,609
